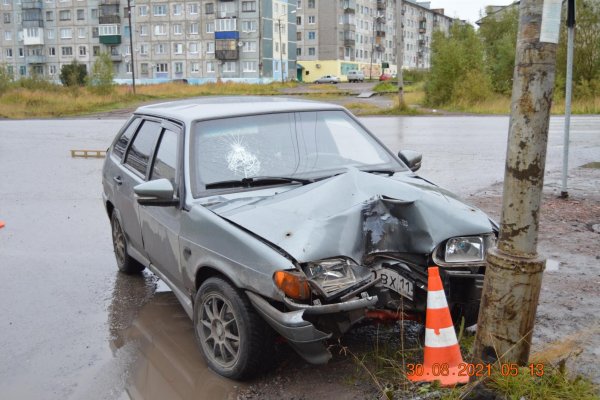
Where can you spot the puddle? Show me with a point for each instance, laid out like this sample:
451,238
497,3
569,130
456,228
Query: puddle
552,265
168,364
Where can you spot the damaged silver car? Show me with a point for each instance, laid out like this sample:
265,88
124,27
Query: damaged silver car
278,216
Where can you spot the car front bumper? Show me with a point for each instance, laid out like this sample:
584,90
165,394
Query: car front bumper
301,334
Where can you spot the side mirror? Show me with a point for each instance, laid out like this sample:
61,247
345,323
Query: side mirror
411,158
159,192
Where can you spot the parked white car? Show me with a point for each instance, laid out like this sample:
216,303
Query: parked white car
355,76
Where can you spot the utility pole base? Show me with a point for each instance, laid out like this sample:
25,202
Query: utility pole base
508,306
564,195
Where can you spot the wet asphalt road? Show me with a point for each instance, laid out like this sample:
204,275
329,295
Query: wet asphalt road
72,327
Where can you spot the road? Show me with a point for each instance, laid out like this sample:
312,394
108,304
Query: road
72,327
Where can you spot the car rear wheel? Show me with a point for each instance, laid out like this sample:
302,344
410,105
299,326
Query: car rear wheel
234,340
125,262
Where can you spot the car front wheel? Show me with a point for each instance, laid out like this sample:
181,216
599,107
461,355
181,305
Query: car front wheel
234,340
125,262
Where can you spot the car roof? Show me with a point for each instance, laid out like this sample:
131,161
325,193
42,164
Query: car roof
213,107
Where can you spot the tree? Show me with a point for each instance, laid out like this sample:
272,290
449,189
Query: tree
586,57
73,74
457,68
499,36
6,78
101,78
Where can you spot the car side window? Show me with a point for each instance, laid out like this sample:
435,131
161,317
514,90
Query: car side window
165,162
142,147
121,144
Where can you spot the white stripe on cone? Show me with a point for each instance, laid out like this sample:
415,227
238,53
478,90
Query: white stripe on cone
446,337
436,299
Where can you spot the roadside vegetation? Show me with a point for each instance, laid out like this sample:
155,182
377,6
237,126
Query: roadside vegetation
472,70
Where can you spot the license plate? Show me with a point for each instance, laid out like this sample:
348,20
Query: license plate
396,282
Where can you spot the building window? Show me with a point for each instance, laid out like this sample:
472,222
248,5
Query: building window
177,29
52,70
143,11
22,70
298,51
179,68
298,20
95,32
298,36
210,67
49,15
210,27
143,30
80,14
159,10
229,66
82,51
299,4
128,67
248,26
177,8
193,47
248,6
108,30
144,69
312,35
144,49
195,67
162,67
312,19
81,33
210,47
209,8
178,48
249,47
311,51
159,48
283,48
96,51
51,51
7,35
50,33
193,9
66,51
66,33
94,13
249,66
226,25
311,3
160,29
65,15
194,28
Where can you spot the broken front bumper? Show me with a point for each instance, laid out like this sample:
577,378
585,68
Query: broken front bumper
301,334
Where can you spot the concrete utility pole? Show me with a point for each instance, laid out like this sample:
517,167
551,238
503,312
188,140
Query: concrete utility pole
131,45
400,51
564,193
514,269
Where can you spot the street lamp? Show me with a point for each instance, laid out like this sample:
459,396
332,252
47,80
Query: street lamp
131,45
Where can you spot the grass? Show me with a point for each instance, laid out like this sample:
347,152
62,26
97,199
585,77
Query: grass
58,101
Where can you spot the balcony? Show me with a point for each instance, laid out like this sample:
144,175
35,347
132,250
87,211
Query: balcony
380,48
381,5
349,6
379,33
116,57
110,39
422,30
36,59
31,4
349,42
37,23
109,19
421,42
226,54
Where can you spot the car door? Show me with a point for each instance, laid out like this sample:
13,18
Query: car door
132,172
161,224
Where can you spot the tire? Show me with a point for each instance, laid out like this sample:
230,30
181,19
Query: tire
237,343
125,262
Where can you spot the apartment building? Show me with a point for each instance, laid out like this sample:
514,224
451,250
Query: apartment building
335,36
200,41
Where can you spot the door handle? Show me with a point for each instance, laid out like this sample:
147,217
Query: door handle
118,180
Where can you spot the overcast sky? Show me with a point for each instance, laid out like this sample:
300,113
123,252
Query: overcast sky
466,9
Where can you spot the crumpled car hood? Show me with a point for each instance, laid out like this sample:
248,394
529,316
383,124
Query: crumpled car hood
356,214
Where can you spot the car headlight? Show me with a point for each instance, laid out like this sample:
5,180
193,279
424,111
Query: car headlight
463,249
332,276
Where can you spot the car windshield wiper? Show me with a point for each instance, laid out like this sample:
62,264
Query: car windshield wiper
390,172
257,181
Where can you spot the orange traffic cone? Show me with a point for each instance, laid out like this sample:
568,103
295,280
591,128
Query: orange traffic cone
1,224
442,358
